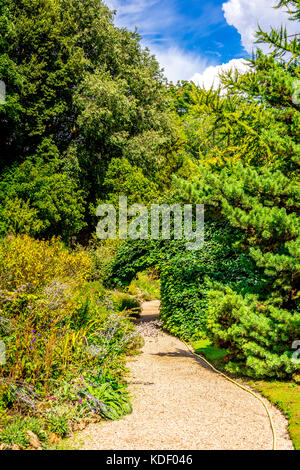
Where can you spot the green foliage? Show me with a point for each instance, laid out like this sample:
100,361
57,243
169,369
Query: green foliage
146,286
131,258
116,402
28,266
58,424
185,280
36,199
124,302
258,335
124,179
184,274
83,98
16,431
242,288
262,205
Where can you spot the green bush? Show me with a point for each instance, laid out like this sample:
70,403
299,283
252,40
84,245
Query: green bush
257,334
185,280
124,302
58,424
62,339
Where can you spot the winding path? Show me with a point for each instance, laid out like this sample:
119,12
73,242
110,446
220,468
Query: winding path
179,403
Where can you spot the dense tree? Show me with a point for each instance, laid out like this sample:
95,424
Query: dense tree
82,90
258,117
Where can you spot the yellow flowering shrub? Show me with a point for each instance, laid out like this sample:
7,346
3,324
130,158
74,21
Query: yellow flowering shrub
32,264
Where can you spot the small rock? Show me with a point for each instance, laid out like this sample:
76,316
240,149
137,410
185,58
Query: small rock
54,438
34,441
16,447
81,426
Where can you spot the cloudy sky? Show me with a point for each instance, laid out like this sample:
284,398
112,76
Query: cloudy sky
193,39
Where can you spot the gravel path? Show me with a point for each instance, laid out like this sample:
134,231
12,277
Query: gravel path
179,403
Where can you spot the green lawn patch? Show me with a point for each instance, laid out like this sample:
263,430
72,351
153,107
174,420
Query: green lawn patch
285,395
210,352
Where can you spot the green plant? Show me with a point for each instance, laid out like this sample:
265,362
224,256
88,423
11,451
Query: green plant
146,286
16,431
124,302
112,404
29,195
58,424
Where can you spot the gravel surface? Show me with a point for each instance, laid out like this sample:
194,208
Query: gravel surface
179,403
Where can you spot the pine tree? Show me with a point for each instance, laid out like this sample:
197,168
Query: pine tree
258,117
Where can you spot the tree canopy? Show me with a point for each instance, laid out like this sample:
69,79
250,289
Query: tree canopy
80,92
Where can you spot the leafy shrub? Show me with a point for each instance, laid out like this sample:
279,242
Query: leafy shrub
15,433
58,424
102,253
112,404
124,179
57,327
182,309
37,301
185,280
134,256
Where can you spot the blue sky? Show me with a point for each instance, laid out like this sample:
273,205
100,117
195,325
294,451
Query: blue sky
193,38
195,26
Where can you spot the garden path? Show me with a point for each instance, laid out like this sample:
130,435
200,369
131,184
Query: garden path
179,403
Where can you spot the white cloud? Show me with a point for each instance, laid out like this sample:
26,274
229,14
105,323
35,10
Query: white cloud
210,76
149,16
158,21
178,64
245,15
